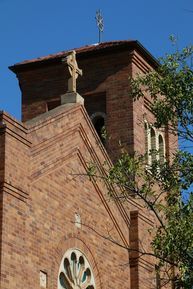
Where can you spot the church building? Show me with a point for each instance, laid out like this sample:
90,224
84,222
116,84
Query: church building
59,229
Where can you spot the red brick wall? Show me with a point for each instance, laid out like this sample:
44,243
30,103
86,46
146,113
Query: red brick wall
134,244
13,205
55,150
59,190
2,148
104,85
45,187
2,166
142,112
143,219
103,75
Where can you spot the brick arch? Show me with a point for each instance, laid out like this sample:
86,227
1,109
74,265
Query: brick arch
74,241
98,114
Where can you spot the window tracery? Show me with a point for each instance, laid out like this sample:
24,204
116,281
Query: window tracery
154,144
75,271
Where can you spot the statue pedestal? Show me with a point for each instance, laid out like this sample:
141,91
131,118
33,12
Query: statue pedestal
72,97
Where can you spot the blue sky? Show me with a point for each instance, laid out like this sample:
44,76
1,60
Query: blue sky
32,28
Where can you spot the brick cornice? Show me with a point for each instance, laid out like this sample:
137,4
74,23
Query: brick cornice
14,128
87,51
51,116
8,119
140,62
16,192
63,111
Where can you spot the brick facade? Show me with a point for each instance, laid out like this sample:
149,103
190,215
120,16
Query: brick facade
104,85
43,167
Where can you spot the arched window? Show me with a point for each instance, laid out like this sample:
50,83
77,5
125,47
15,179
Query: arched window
154,145
75,271
99,123
98,120
147,144
153,150
161,148
146,137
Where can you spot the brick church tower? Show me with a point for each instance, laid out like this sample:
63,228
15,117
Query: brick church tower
55,222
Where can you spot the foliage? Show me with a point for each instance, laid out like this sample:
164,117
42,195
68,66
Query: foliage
161,186
173,240
171,91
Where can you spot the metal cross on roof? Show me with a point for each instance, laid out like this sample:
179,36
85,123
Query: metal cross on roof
100,23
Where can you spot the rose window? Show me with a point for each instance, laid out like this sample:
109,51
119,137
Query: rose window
75,271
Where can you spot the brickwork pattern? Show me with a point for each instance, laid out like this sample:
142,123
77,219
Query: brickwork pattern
45,188
102,75
42,181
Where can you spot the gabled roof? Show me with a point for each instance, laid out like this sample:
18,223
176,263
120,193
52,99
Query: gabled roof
88,50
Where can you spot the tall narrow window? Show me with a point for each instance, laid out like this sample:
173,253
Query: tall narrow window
98,120
99,123
161,149
153,145
158,279
147,155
